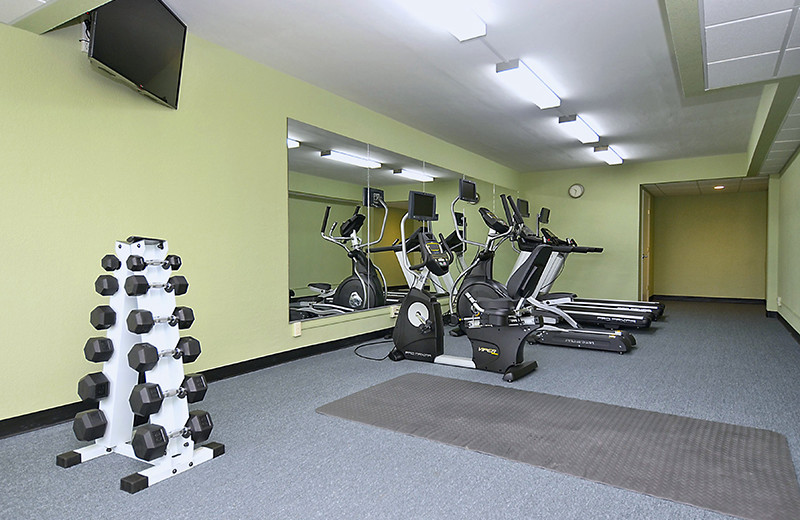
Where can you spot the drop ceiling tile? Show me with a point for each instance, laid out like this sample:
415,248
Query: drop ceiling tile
717,11
790,64
746,37
752,184
788,134
11,10
741,71
791,121
794,38
782,146
778,154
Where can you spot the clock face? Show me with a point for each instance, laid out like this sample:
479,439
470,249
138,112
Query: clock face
576,190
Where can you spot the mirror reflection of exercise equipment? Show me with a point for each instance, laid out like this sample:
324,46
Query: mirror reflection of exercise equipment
365,288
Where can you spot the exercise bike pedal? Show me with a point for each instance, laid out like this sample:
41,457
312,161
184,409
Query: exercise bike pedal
396,355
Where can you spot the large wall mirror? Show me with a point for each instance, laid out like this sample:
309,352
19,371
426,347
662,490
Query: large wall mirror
346,203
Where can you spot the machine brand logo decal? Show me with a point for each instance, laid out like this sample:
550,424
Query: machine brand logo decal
492,351
419,354
579,342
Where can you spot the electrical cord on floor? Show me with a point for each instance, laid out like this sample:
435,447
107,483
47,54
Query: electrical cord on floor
379,342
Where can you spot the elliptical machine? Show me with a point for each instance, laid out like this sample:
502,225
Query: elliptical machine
477,284
365,288
497,337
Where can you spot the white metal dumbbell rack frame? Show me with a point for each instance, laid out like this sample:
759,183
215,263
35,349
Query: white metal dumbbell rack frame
168,373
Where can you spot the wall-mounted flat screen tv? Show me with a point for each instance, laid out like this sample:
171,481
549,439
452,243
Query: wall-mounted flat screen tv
140,43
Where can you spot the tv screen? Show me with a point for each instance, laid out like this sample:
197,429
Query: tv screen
522,205
141,43
467,191
371,197
421,206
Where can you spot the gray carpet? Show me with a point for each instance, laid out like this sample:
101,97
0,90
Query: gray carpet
720,362
742,471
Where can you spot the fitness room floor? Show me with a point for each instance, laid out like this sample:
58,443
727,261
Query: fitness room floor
720,362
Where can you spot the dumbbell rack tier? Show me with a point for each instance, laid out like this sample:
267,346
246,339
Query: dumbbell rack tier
181,453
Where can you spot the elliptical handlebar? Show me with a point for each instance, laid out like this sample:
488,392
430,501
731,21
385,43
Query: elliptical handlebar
462,238
325,220
506,201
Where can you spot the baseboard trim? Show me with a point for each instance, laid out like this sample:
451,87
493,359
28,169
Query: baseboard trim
786,324
707,299
59,414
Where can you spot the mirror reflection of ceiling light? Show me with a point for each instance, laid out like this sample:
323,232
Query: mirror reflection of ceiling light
291,143
522,80
349,159
607,154
413,175
575,126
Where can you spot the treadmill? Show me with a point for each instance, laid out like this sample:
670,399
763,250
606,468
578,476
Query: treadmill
597,313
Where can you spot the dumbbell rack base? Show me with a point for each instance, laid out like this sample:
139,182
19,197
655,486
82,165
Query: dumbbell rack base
162,469
169,466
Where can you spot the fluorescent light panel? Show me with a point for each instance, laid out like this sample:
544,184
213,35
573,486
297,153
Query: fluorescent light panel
413,175
349,159
607,154
575,126
291,143
458,19
521,78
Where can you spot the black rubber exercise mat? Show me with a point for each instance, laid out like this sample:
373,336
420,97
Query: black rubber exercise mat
736,470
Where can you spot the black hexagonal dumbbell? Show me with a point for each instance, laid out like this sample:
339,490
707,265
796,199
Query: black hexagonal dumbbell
106,285
142,321
138,285
146,398
89,425
144,356
98,349
110,263
93,386
138,263
103,317
150,441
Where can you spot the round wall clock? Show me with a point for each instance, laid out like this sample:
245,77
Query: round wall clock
576,190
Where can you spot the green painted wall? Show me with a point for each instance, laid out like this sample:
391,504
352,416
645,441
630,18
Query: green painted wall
608,216
86,161
789,245
710,245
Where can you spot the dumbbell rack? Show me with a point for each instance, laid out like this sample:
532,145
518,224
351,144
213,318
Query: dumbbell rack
181,453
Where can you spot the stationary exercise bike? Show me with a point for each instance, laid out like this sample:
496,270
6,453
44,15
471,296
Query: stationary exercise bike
497,337
365,288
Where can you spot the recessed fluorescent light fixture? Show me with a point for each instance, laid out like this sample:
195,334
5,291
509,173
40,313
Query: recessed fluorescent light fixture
291,143
720,187
575,126
607,154
520,78
413,175
349,159
458,19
